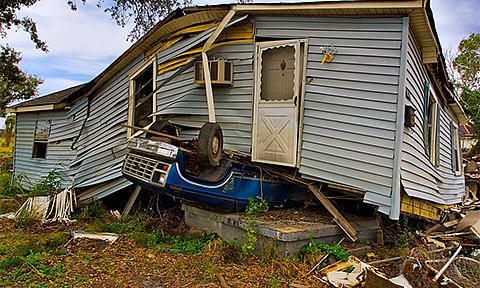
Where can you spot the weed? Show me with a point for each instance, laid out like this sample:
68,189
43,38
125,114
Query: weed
123,226
274,283
93,210
184,244
57,239
11,262
146,240
313,248
11,186
253,209
4,249
26,249
49,185
27,219
403,239
249,246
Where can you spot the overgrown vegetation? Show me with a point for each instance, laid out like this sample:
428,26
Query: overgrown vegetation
254,208
403,239
48,185
314,249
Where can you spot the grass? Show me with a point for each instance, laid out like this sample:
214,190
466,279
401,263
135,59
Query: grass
314,249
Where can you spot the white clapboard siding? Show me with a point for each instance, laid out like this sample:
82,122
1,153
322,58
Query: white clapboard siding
419,177
349,122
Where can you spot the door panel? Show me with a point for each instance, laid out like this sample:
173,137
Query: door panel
275,125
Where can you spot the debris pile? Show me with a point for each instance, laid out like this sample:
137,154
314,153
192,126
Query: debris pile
53,208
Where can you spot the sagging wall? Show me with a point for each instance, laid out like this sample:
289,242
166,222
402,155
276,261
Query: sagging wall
350,109
101,146
420,178
59,155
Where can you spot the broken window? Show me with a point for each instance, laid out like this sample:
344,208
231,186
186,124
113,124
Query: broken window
431,126
278,74
40,139
143,88
456,149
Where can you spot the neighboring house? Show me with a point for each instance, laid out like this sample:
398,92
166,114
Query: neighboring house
466,136
379,117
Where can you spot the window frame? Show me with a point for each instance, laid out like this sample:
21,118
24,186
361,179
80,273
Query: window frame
131,95
42,141
431,148
455,142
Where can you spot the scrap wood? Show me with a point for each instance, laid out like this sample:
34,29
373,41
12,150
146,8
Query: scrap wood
451,223
338,218
376,279
154,132
433,228
471,222
401,257
131,200
437,243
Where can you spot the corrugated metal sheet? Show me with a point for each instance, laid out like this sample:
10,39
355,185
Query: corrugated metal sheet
350,104
419,177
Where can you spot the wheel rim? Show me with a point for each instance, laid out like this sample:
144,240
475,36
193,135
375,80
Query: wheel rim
215,145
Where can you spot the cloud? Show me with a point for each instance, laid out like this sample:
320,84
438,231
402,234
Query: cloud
455,20
81,43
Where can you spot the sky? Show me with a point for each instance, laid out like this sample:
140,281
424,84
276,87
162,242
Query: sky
83,43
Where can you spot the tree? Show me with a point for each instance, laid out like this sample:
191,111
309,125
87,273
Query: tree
467,65
9,129
14,83
17,85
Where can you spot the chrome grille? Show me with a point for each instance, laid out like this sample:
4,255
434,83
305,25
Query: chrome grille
139,166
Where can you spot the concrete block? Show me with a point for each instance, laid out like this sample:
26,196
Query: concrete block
283,238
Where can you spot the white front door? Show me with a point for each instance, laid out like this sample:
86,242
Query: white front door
276,101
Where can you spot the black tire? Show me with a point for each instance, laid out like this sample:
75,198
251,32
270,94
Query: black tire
162,126
210,145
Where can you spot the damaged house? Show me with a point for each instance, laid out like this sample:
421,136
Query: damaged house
353,95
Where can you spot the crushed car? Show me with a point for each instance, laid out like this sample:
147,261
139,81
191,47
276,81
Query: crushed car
198,172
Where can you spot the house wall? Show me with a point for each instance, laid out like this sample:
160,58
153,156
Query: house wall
59,154
101,146
184,102
348,131
419,177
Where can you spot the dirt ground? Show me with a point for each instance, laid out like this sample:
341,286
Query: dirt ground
163,252
46,256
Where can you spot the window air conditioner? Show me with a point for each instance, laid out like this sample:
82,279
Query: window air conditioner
221,72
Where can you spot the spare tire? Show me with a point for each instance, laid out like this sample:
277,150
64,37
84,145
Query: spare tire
162,126
210,145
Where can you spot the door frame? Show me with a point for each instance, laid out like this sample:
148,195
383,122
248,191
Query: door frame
300,81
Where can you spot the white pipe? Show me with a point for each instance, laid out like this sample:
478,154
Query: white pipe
447,264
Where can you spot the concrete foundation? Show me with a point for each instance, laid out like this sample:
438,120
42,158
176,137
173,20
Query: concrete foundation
282,238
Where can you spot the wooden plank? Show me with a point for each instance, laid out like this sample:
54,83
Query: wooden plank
131,201
338,218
